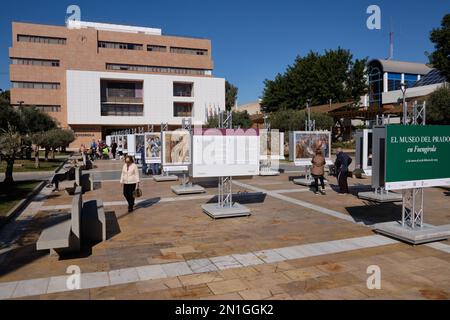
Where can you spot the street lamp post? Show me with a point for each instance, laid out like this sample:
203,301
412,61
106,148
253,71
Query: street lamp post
405,107
308,110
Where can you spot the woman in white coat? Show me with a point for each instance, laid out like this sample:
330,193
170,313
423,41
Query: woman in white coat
130,180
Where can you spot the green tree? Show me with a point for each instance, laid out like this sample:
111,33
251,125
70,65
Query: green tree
333,75
10,148
5,97
56,138
440,58
291,120
241,119
231,93
438,106
36,120
28,123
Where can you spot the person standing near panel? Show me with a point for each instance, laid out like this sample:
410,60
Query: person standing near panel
342,163
130,180
318,170
114,150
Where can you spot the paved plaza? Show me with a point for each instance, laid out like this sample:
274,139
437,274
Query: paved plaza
295,245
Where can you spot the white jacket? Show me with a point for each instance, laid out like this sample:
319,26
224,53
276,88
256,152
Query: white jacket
130,174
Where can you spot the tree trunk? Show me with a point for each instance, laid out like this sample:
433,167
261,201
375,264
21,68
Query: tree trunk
46,153
36,157
9,171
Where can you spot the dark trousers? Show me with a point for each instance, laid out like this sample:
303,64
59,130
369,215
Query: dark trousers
342,181
128,193
114,154
57,178
316,183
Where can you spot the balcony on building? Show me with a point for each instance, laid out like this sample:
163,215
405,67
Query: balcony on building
122,98
183,89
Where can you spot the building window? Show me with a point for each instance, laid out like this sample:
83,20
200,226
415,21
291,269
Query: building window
182,89
122,110
120,92
183,109
47,108
44,108
375,87
35,62
35,85
156,69
394,81
152,47
40,39
198,52
410,79
119,45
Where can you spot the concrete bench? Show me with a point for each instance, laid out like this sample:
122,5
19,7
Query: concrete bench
87,224
64,236
94,221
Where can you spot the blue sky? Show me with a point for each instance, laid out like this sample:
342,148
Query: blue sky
252,40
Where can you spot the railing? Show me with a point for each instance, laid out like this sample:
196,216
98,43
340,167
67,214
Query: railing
131,100
182,94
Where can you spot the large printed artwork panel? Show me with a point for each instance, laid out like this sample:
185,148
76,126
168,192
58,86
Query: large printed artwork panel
152,145
177,148
271,144
139,145
306,143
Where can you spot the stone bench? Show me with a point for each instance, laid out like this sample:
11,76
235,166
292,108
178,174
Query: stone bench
94,221
87,224
65,236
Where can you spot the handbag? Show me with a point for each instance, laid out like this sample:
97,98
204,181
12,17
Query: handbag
137,193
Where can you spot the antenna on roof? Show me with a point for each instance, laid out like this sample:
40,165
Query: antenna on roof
391,42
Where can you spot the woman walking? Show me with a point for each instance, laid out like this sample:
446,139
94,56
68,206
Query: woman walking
318,170
130,180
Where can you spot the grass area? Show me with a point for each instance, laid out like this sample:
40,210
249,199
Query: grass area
10,195
344,144
57,154
28,165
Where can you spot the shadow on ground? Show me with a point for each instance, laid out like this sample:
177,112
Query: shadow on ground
373,213
244,197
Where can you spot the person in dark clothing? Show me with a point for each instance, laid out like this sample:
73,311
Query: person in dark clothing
114,150
342,163
59,177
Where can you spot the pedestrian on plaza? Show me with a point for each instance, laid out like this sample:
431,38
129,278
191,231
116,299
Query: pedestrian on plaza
93,150
83,154
130,180
318,170
114,150
342,163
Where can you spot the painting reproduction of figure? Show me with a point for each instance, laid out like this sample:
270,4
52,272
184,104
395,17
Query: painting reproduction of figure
120,142
139,144
125,142
177,147
153,147
307,142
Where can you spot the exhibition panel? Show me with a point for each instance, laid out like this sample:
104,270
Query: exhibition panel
417,156
363,154
139,145
176,147
120,143
131,144
152,147
225,152
302,145
271,144
108,140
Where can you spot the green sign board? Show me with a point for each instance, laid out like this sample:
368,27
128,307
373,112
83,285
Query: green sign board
417,156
